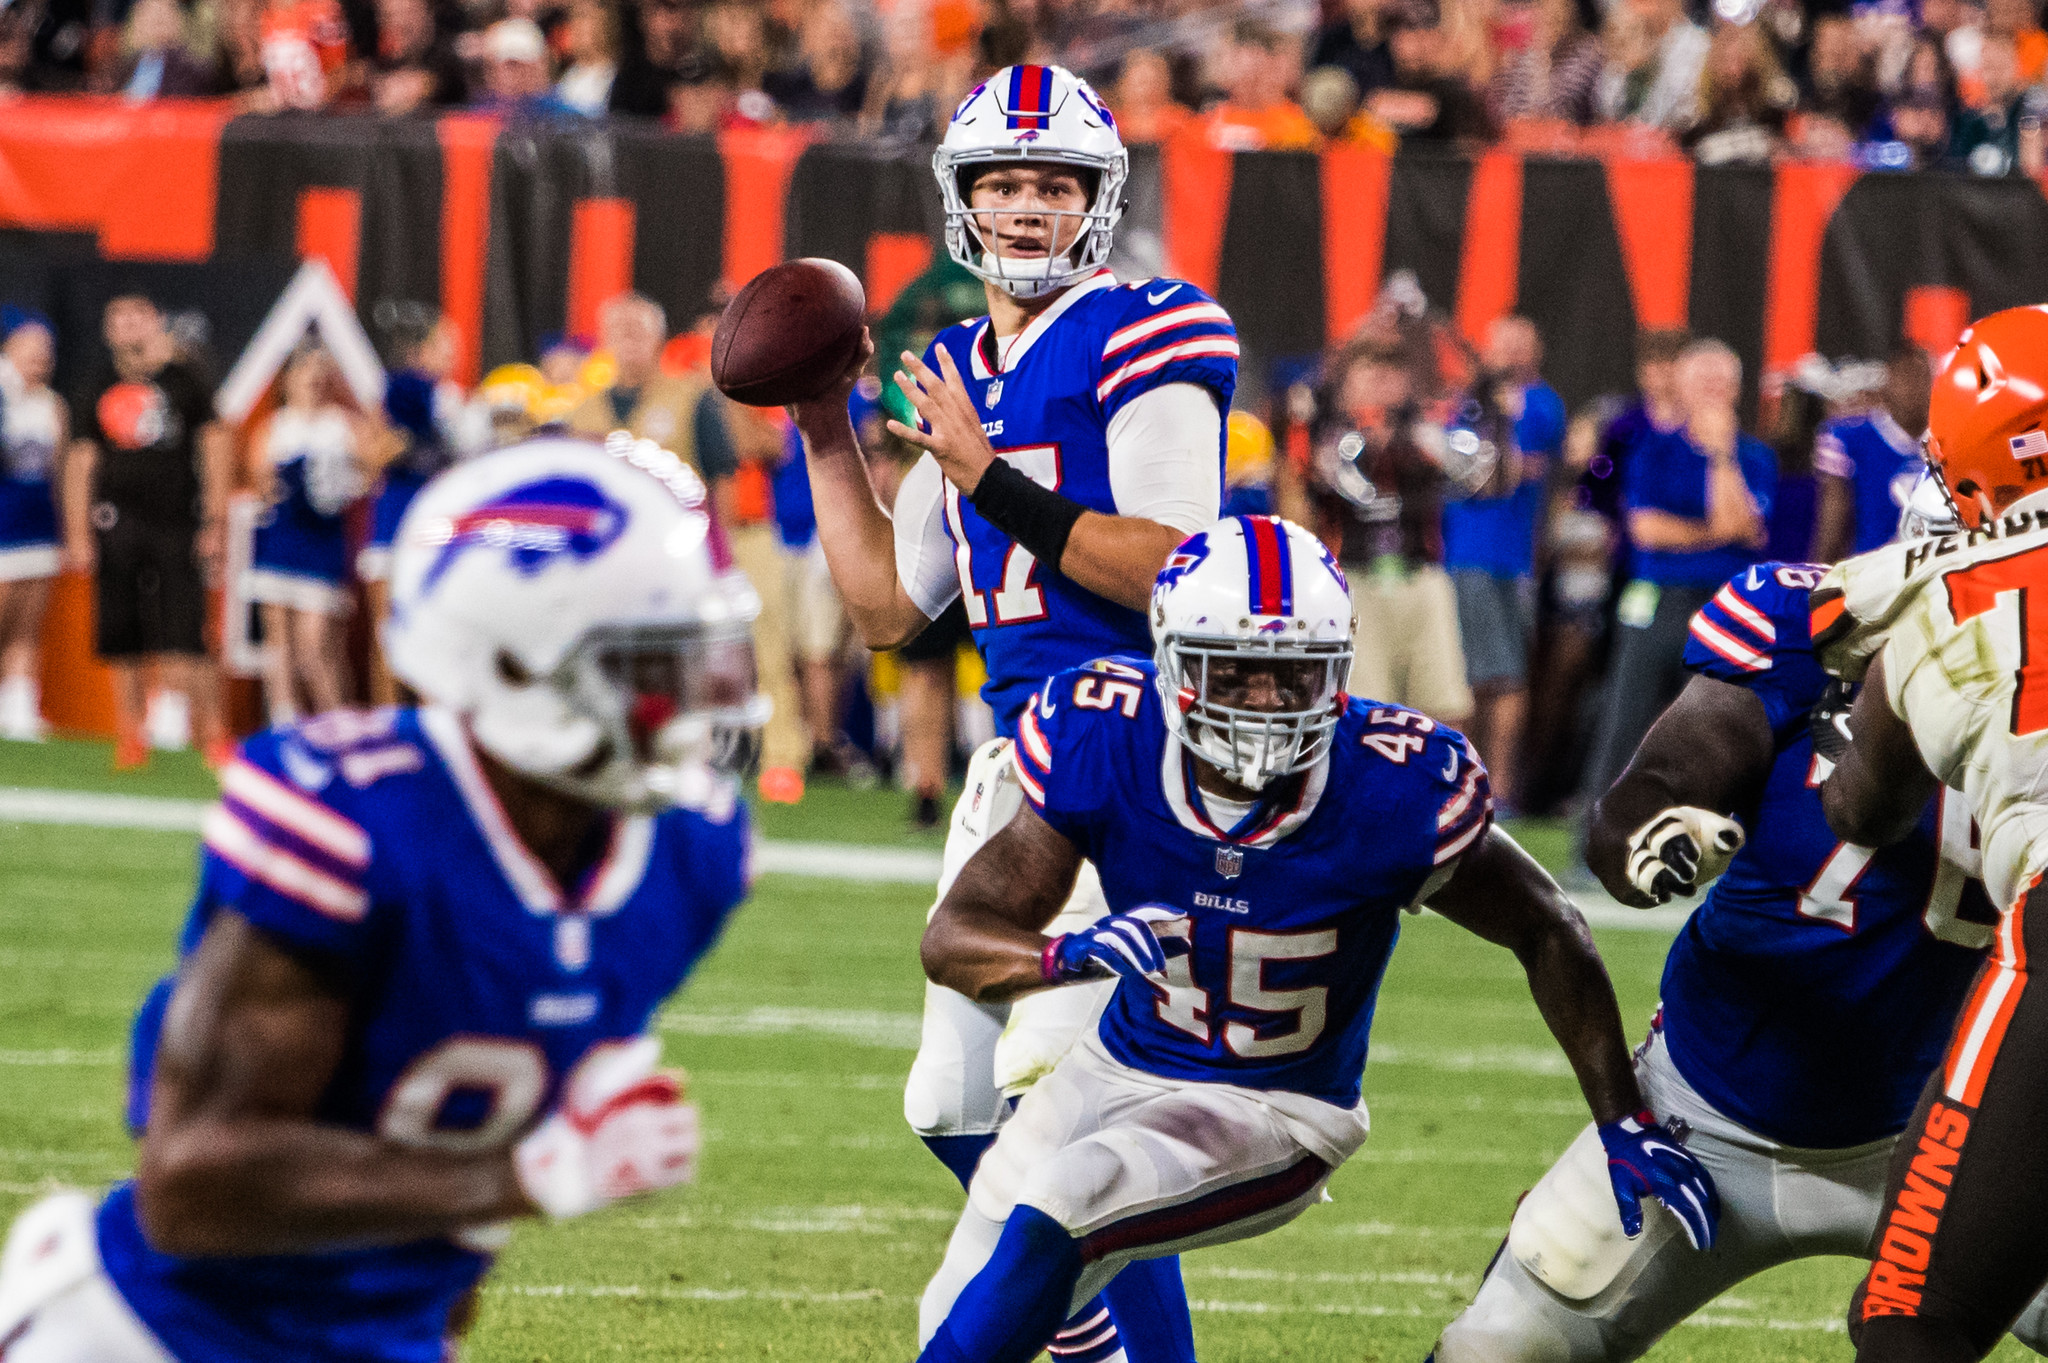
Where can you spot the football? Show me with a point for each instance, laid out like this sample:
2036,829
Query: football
789,333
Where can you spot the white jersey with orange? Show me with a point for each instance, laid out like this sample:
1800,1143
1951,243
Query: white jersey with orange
1962,620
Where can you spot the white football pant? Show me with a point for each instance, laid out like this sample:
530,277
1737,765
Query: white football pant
56,1302
1778,1204
973,1054
1137,1167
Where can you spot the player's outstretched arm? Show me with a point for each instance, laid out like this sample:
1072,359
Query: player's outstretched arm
987,939
1880,784
1708,755
1500,893
859,538
235,1161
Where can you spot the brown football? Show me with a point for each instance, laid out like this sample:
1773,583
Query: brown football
789,333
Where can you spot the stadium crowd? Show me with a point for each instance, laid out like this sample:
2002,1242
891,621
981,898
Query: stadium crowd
1517,570
1887,84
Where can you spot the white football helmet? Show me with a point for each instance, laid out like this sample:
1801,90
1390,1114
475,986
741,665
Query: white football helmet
1039,115
570,601
1928,510
1247,590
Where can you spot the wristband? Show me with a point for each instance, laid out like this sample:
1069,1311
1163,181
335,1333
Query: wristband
1049,961
1036,517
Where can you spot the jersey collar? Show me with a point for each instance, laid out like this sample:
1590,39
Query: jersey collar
1265,825
608,886
1012,354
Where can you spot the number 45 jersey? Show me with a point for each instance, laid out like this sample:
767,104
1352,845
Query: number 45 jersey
1962,620
1291,913
1050,399
1815,987
373,842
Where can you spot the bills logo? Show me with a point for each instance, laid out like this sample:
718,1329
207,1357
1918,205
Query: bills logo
2032,445
135,416
532,525
1185,560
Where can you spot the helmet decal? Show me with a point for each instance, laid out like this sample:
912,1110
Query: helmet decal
1270,565
536,524
2030,445
1192,551
1030,101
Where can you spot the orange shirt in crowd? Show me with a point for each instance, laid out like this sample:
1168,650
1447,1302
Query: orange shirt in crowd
1277,127
305,45
2032,46
1157,124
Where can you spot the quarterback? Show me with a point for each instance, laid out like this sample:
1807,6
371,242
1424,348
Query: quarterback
427,943
1220,789
1073,437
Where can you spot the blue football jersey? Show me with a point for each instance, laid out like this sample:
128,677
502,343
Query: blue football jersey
1291,915
1881,461
1046,398
1815,987
372,841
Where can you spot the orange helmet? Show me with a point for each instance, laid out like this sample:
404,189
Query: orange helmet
1988,420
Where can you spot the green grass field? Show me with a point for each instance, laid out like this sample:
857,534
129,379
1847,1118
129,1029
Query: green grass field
817,1216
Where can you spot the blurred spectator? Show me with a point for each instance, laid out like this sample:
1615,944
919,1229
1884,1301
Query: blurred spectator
158,64
1145,108
1256,114
1791,418
701,100
307,474
1841,77
1744,98
1378,484
1357,42
1697,501
679,412
593,51
735,38
830,80
2002,134
652,60
306,56
516,80
1429,99
1654,414
1655,56
145,491
905,99
1550,66
415,67
2020,21
33,432
238,63
1490,542
1330,99
1865,464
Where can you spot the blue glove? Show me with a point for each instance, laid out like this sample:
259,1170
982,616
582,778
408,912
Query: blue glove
1644,1159
1121,944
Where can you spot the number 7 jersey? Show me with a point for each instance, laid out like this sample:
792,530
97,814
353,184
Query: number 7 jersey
1962,620
1049,399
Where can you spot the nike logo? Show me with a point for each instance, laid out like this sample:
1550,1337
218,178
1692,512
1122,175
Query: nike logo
1045,706
1155,299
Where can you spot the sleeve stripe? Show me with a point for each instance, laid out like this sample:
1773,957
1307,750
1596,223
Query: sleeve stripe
1032,740
1454,808
1759,623
291,877
1446,850
1743,657
1031,787
1159,359
296,814
1165,321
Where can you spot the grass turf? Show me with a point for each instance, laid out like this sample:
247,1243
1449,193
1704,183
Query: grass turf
817,1217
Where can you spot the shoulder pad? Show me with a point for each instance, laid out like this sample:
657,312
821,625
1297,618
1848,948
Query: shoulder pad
1758,616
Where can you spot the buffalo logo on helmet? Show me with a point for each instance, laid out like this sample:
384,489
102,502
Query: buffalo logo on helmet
1184,560
135,416
534,525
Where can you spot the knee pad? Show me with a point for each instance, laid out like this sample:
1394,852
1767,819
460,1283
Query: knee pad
1080,1189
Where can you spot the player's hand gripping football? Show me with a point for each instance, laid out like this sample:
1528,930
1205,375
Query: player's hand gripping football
622,1128
953,427
1644,1159
1679,850
1121,944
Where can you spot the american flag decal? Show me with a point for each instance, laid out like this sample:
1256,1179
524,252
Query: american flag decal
2032,445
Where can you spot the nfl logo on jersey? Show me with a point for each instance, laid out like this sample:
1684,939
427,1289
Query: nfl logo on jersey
995,392
1229,862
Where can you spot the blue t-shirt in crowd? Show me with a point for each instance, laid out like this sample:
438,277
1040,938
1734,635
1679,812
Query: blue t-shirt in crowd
1498,534
1670,474
796,520
1881,462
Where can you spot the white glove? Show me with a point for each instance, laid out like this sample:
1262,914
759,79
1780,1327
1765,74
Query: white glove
621,1129
1679,850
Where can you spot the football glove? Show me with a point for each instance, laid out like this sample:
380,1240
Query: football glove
1679,850
1644,1159
1828,722
1121,944
622,1128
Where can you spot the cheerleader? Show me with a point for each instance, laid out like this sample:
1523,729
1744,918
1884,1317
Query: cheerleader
33,429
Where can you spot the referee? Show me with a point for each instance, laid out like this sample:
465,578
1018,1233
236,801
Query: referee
145,494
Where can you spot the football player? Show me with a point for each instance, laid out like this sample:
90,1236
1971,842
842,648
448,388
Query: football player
1219,790
1945,635
1803,1004
427,944
1073,437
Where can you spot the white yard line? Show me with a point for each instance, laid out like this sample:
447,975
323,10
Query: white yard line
772,856
61,1057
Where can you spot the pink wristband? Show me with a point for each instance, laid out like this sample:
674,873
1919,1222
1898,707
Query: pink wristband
1048,960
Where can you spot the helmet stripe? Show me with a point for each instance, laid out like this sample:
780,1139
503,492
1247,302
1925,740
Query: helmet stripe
1272,576
1030,93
